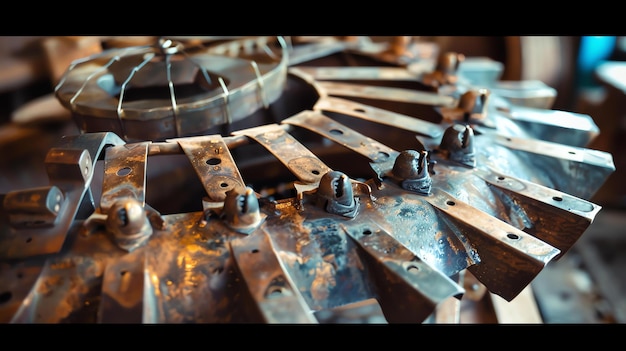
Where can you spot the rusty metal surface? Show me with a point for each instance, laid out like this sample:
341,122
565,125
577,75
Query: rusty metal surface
382,215
130,91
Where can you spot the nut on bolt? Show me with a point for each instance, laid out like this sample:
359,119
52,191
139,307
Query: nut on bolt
242,212
335,194
473,103
128,222
457,144
411,168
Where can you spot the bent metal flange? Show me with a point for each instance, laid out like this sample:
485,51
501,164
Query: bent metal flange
390,247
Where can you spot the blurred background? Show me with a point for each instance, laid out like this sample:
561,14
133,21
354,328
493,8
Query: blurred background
588,285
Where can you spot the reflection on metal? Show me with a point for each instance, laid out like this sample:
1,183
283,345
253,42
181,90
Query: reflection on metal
70,169
516,201
125,175
214,165
372,233
169,90
387,93
358,73
377,115
304,164
270,287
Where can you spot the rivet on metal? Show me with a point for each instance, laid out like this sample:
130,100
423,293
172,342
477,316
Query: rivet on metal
411,167
241,211
128,222
457,144
335,194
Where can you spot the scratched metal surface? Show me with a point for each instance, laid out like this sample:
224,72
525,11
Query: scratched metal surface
302,214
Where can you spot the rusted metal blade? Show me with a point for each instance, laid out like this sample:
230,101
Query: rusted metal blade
123,289
401,276
382,156
214,165
555,217
574,170
522,202
323,262
366,146
303,163
124,174
502,248
378,115
387,93
359,73
189,276
270,286
70,167
66,291
16,282
420,227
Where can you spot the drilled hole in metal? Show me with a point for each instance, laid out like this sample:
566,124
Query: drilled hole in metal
500,178
412,269
359,110
224,185
275,291
123,171
512,236
557,198
367,232
336,131
315,171
254,250
383,155
450,202
123,273
213,161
